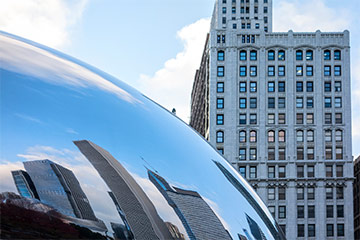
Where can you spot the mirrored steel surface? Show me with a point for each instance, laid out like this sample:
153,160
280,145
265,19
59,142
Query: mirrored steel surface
100,159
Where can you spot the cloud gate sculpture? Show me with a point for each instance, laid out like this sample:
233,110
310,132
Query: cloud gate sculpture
83,155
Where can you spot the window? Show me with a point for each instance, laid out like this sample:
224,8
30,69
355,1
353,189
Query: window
300,153
329,211
223,37
311,171
220,87
271,172
253,136
224,20
253,118
309,118
337,55
242,171
328,152
329,193
310,136
299,102
309,71
219,103
252,153
300,212
281,102
281,153
243,55
242,71
281,136
299,86
309,55
271,118
282,212
219,136
340,230
253,102
271,102
328,136
309,102
299,136
329,230
338,102
281,55
311,230
271,193
271,153
299,70
281,118
339,193
271,55
233,10
271,136
299,118
300,171
242,118
220,119
339,152
218,39
310,153
337,71
301,230
337,86
338,136
253,71
242,103
327,71
327,86
272,210
327,55
340,211
220,71
328,118
309,86
281,86
282,193
281,71
253,87
257,25
253,55
265,9
221,150
221,56
300,193
311,193
271,71
271,86
253,172
339,171
242,86
338,118
329,170
242,136
248,25
282,172
242,154
327,102
299,55
224,10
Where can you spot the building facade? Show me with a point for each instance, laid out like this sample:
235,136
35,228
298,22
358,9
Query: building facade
24,184
357,198
280,112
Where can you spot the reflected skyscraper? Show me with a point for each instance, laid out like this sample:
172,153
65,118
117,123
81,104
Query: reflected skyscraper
141,215
58,187
192,210
24,184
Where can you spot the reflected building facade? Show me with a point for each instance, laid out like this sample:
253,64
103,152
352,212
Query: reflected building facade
24,184
192,210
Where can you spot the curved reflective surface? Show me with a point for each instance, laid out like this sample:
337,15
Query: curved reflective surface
100,160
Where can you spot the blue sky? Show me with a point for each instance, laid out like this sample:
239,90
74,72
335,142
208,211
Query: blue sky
155,45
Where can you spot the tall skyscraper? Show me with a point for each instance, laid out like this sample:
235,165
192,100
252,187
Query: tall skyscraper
278,107
357,198
58,187
24,184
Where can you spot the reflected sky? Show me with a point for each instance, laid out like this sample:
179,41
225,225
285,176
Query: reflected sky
49,100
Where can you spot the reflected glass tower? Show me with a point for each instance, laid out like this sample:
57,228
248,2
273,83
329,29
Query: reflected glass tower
24,184
58,187
192,210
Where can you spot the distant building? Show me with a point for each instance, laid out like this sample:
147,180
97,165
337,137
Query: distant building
24,184
357,198
141,215
192,210
58,187
174,231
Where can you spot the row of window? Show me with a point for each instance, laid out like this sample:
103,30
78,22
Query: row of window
252,154
244,10
328,102
329,134
329,230
247,1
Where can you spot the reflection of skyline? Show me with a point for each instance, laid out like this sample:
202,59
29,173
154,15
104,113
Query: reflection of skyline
139,211
197,217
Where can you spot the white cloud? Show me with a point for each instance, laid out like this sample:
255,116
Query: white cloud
46,22
308,15
171,86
